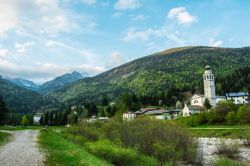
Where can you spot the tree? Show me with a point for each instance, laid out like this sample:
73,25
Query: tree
178,105
105,101
207,104
3,111
24,121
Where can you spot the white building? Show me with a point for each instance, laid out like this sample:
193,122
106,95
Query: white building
191,110
209,90
37,117
129,116
238,98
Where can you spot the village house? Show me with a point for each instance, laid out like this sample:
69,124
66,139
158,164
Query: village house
155,113
129,116
36,118
191,110
238,98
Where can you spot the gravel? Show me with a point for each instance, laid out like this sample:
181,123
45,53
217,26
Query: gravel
208,147
22,150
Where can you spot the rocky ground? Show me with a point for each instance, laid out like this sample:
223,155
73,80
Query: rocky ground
22,150
208,148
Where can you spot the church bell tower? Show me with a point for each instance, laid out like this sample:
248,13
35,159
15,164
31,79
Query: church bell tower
209,85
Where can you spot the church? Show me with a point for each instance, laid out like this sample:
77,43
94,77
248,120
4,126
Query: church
197,100
209,90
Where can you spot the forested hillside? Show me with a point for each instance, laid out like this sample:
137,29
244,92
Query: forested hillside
21,100
170,75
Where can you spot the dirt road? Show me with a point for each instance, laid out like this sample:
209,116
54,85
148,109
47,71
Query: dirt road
22,150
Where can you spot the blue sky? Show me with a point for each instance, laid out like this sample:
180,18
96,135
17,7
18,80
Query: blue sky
42,39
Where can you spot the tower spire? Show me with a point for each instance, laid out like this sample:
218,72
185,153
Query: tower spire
209,85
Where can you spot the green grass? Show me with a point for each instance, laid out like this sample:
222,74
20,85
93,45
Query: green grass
4,137
65,153
220,131
20,127
228,162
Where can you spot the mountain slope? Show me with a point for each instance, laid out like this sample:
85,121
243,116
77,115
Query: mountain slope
24,83
20,99
59,82
161,74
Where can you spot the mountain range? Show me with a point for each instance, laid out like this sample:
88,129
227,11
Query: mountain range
23,95
172,74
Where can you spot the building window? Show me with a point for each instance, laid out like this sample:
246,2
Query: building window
207,77
196,101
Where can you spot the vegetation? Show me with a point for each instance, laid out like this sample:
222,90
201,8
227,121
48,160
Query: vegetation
119,141
4,137
63,152
229,151
3,111
228,162
226,112
167,76
159,79
21,100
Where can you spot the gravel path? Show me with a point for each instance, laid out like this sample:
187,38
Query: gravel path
22,150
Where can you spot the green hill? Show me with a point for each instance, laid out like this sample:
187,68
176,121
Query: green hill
22,100
170,75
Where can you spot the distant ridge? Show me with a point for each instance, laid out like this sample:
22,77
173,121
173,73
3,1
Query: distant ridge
60,82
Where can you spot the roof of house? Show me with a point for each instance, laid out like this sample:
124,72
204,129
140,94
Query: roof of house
154,112
194,107
237,94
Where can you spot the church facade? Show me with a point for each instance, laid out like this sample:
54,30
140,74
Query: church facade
209,90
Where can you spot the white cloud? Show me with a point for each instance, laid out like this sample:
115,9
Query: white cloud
4,52
52,43
127,4
117,14
23,47
8,17
46,16
181,15
44,71
89,2
145,35
139,17
116,59
215,43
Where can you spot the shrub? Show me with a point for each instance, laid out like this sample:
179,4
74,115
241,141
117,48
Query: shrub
86,130
244,114
118,155
228,150
232,118
165,141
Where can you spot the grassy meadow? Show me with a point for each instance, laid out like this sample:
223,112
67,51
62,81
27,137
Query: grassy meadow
61,151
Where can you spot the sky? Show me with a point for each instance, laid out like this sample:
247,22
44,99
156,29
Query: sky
42,39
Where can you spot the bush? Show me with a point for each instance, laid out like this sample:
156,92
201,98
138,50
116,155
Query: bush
88,131
228,150
118,155
244,114
165,141
232,118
